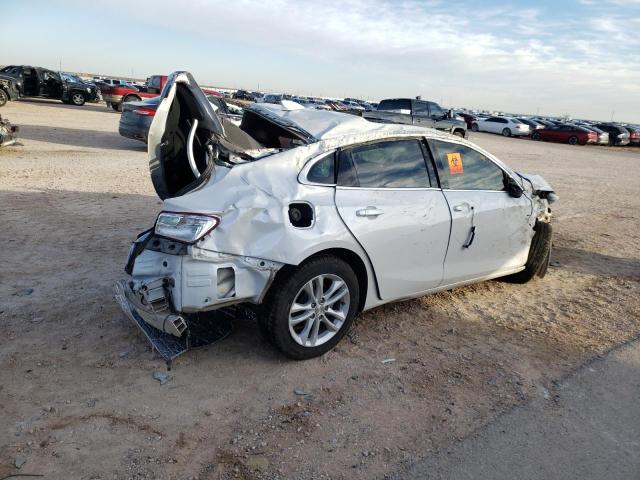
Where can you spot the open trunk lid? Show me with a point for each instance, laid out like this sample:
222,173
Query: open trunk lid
187,138
182,137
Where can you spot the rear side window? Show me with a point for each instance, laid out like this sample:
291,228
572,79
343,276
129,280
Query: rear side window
391,164
463,168
323,171
395,104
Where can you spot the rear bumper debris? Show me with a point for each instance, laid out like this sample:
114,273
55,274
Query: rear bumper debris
8,133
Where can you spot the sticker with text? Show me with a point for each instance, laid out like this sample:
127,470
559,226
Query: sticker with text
455,163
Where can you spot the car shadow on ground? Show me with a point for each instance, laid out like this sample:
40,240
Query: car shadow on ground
79,138
92,262
592,263
44,102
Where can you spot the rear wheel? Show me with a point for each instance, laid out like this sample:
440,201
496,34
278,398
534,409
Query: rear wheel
78,98
474,127
506,132
573,140
539,253
307,313
459,133
4,98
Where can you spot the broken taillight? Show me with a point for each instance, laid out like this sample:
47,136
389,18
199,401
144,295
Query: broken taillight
147,112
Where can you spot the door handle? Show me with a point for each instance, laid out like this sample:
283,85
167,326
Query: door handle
369,212
459,208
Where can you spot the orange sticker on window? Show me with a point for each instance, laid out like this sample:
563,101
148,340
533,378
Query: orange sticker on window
455,163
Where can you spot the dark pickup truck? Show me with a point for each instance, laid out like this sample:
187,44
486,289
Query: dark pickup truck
416,112
41,82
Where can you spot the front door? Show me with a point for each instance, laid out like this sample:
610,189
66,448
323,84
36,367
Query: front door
491,231
387,197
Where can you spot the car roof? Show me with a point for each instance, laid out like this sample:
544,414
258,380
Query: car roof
326,124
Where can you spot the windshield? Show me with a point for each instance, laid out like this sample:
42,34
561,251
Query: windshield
68,77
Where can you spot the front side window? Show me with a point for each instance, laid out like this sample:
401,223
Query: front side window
436,111
463,168
390,164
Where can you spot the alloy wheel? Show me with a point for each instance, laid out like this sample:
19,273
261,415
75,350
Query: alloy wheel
77,99
319,310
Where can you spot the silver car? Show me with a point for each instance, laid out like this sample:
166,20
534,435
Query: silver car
315,216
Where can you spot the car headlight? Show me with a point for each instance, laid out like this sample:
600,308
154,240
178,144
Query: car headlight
89,89
185,227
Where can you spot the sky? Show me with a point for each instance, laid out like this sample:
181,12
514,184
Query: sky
552,57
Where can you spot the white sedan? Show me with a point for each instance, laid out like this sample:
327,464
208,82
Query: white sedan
507,126
315,216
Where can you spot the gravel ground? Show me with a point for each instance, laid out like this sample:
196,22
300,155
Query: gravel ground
77,396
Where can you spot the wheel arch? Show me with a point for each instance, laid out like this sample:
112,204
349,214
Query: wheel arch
351,258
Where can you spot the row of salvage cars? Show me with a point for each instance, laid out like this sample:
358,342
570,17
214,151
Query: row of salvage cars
312,216
574,133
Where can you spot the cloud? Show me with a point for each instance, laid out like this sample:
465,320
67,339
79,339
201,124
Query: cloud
484,53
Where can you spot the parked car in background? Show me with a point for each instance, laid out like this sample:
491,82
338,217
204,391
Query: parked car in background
617,135
243,95
416,112
270,98
506,126
533,125
566,133
136,117
8,89
468,118
313,216
42,82
603,137
115,95
634,134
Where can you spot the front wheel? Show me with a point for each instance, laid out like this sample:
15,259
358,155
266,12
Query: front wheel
459,133
78,99
535,136
308,312
4,98
539,253
474,127
506,132
573,140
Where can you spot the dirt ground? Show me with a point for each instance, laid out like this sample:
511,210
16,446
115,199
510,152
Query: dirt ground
77,396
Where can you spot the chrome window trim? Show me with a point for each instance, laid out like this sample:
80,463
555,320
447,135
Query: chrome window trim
302,176
402,189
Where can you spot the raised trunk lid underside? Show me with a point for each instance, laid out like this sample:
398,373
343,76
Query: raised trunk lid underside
187,138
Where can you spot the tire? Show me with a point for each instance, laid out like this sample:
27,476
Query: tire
279,323
4,98
116,107
459,133
474,127
506,132
539,253
536,136
573,140
78,99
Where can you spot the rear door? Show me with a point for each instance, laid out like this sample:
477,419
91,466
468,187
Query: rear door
490,230
421,114
389,200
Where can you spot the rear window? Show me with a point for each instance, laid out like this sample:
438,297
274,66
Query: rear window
395,104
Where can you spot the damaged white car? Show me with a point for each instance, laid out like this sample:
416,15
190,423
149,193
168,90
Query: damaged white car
314,216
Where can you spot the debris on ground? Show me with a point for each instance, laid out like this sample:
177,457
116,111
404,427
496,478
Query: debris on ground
161,377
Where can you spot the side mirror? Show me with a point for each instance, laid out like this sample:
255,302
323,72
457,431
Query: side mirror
512,187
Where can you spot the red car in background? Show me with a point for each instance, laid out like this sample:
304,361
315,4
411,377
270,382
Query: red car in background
116,95
566,133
